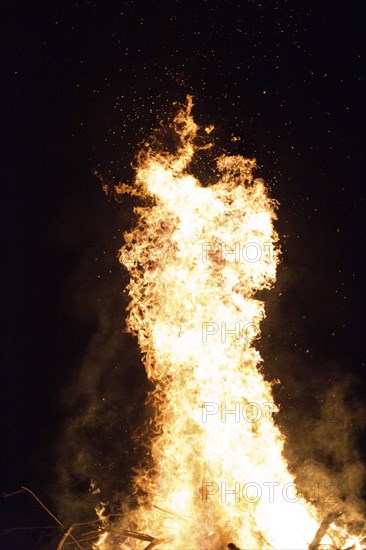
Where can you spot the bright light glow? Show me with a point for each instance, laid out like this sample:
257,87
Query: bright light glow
193,308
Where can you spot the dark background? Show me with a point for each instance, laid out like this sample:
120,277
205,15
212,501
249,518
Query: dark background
84,84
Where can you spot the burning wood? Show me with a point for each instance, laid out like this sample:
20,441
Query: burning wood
323,528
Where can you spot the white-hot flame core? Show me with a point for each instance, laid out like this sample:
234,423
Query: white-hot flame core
192,289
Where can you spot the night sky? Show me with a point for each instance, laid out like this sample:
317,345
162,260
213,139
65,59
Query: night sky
85,84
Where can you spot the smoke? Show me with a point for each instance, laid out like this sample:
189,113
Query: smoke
322,413
102,400
331,472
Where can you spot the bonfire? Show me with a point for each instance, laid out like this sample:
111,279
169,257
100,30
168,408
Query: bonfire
215,475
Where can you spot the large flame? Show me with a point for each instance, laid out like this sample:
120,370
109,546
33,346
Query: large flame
196,258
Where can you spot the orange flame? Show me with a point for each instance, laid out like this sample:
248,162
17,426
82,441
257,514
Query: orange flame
196,258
